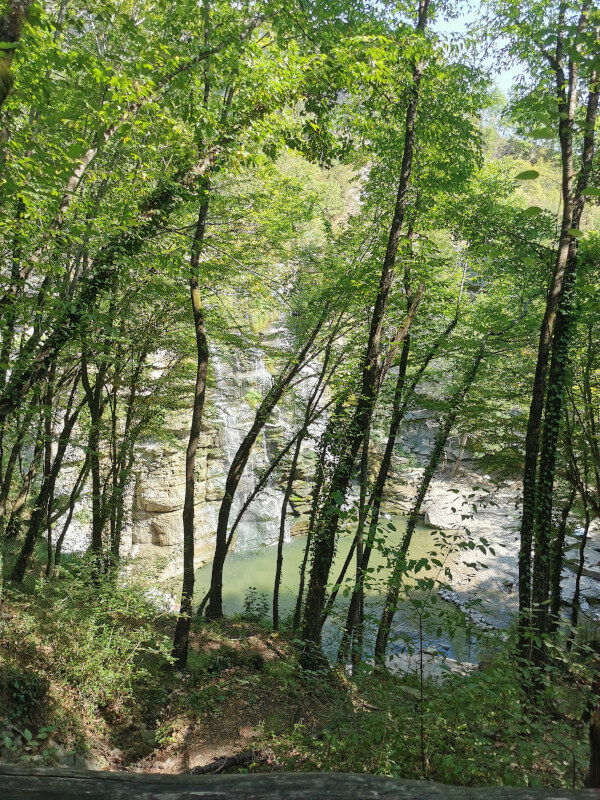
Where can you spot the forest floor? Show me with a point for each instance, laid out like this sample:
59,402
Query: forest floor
86,682
123,707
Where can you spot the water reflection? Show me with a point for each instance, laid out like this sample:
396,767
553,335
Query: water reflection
423,617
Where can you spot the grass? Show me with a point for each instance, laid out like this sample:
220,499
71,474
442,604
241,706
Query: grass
90,662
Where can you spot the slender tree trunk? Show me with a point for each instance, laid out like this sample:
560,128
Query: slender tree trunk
274,463
316,500
279,562
96,404
18,505
182,629
12,21
15,452
576,603
46,490
557,560
214,609
327,523
354,619
325,533
398,411
310,405
391,600
565,265
357,540
73,497
545,484
557,379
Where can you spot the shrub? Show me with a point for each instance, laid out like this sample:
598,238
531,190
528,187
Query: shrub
22,691
256,605
106,634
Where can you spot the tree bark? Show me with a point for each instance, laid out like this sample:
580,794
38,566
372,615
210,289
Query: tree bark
318,483
182,629
564,269
310,405
12,20
47,488
576,604
557,559
391,600
74,496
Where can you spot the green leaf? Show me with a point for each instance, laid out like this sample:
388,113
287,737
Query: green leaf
576,233
528,175
8,45
542,133
532,211
591,191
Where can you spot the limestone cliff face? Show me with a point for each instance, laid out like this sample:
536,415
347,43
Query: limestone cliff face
156,527
154,500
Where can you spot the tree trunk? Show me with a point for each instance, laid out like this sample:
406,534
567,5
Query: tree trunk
214,609
398,412
310,405
74,496
564,320
46,490
557,560
576,605
391,599
565,264
326,528
327,523
318,483
12,21
182,629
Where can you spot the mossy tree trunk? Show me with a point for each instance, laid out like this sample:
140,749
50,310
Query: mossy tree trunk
182,628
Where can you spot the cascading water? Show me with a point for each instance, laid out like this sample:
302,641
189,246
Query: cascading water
241,383
242,380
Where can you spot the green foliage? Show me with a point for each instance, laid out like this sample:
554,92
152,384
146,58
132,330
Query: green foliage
256,606
471,729
105,634
26,746
22,691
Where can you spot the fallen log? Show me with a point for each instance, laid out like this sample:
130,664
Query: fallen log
20,782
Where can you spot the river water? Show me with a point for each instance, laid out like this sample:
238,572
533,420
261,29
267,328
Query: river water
422,614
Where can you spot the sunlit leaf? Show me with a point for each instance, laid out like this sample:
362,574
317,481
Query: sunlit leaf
527,175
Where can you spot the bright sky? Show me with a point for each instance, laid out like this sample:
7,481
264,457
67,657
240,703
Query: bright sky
504,78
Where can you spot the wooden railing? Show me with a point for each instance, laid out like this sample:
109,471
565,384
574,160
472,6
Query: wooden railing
22,782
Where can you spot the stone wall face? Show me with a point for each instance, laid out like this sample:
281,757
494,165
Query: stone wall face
156,524
155,528
154,500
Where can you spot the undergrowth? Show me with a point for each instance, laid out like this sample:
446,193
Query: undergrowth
86,663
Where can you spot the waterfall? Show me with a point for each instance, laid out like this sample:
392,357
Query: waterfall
242,380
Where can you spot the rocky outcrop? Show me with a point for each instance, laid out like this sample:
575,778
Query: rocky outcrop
156,527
